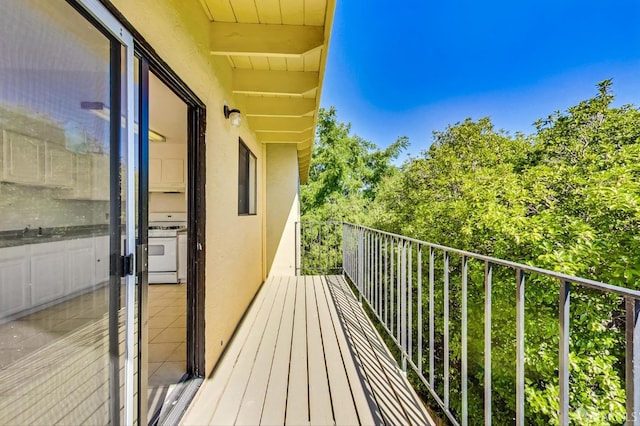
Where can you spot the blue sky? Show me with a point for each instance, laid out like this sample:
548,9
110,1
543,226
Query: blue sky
419,65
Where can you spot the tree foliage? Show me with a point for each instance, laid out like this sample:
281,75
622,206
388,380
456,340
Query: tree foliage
345,171
566,198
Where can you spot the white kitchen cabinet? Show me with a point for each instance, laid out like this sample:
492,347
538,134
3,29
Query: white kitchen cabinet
14,280
22,159
100,177
101,245
48,271
166,175
59,165
167,167
182,257
81,264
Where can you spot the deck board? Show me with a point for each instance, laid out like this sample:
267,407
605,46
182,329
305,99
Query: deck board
306,354
298,389
275,403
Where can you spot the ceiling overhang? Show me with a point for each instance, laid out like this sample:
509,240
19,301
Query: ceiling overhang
277,52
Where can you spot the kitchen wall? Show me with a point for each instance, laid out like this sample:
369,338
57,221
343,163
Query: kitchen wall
23,205
161,202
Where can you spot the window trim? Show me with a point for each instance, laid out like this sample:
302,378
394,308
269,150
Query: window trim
249,194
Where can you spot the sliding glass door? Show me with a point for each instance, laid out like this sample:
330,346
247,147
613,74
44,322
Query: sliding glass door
68,318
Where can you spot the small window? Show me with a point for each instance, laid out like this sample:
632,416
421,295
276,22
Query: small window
246,180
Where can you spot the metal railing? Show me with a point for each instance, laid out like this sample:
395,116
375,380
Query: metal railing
318,247
393,273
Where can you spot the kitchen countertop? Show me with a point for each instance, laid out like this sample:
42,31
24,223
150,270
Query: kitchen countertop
16,238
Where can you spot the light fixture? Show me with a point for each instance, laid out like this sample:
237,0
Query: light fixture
102,111
233,115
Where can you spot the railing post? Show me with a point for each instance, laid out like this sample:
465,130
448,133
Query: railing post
632,372
520,278
563,352
464,421
446,328
488,276
403,306
360,262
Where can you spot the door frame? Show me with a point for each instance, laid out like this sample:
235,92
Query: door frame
150,61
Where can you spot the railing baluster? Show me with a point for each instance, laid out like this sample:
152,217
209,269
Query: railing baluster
420,308
360,263
379,277
398,288
403,307
520,292
410,302
488,271
632,368
392,288
564,321
431,317
463,332
446,329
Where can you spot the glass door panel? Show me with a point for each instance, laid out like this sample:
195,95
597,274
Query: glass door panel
65,312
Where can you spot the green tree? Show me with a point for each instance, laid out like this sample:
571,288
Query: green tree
566,198
345,171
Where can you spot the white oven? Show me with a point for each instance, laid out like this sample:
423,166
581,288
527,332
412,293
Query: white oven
163,259
163,246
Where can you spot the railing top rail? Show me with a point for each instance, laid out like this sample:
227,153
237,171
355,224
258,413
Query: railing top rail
597,285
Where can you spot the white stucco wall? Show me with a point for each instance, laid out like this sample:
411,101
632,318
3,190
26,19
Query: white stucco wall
282,208
179,32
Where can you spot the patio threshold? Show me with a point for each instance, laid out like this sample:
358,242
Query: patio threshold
306,353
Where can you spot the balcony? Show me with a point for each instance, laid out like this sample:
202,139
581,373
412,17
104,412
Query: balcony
322,349
306,353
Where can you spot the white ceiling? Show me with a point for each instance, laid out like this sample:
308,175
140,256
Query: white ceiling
167,112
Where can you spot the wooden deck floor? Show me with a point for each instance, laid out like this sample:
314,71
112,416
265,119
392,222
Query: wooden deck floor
306,354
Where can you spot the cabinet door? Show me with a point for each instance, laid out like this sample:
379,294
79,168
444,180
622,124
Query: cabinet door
48,275
100,177
102,259
59,166
82,184
173,172
81,266
22,159
14,280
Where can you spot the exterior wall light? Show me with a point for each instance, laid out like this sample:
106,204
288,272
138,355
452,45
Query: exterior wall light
233,115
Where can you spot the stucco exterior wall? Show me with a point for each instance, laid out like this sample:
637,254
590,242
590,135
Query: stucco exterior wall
178,31
282,208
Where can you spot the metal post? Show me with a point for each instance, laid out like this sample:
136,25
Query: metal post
464,355
446,329
360,263
403,307
420,308
563,367
520,278
488,267
633,360
431,317
410,302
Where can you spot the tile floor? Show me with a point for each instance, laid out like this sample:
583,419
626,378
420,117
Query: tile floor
167,339
32,332
167,332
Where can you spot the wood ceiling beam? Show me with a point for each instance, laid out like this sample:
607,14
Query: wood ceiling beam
264,39
274,82
285,137
278,107
280,124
